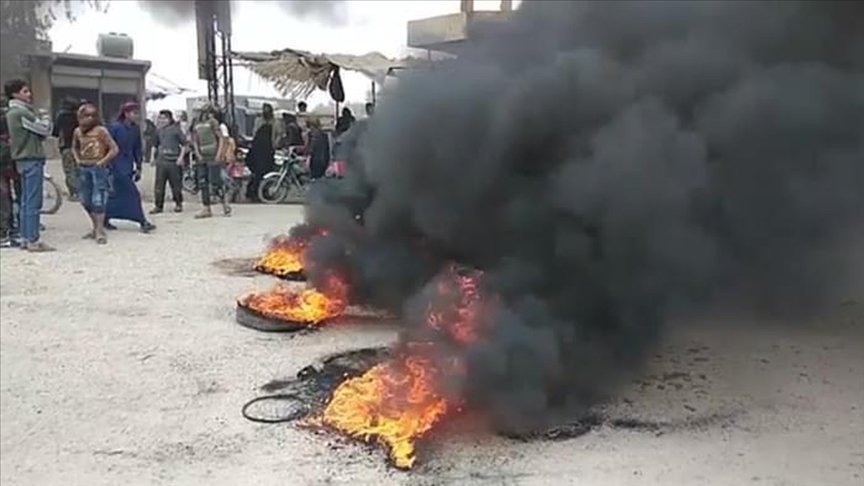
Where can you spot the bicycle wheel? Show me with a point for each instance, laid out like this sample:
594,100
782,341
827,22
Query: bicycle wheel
52,197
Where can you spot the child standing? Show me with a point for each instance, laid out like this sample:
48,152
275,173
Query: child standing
93,148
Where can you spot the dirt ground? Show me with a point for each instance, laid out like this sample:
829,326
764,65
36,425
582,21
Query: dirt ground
123,365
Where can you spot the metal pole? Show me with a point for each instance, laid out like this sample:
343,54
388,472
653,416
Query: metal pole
212,69
373,92
229,88
227,79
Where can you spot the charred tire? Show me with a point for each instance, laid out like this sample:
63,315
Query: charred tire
253,320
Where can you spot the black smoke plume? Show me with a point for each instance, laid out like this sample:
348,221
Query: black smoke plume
176,12
607,165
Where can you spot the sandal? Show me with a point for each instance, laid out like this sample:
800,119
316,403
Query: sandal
226,210
204,214
101,240
89,236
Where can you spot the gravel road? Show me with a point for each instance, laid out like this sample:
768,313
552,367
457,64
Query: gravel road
123,365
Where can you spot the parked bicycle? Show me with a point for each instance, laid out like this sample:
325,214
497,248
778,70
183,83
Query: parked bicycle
52,196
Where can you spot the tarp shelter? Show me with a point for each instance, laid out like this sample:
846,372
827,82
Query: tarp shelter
298,73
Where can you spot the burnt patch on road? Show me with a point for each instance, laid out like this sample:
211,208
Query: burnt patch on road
593,421
237,267
307,393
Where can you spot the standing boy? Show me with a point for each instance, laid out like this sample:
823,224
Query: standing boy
27,132
170,145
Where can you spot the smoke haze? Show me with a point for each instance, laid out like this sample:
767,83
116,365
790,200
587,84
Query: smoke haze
605,165
176,12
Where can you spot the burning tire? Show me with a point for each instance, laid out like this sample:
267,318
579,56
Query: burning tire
284,259
297,276
286,309
305,394
248,317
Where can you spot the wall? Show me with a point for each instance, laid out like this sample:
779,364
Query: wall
107,86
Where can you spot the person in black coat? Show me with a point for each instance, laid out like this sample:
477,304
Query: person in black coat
260,157
345,121
318,149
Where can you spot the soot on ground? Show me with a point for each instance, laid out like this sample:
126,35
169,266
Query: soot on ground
308,392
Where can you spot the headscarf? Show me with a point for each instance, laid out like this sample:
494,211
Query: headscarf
126,108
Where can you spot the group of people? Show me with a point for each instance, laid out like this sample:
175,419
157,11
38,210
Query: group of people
301,132
170,144
102,164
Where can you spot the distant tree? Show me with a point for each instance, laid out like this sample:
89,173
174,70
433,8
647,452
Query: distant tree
24,26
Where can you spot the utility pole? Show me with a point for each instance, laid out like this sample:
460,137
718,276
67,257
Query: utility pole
215,64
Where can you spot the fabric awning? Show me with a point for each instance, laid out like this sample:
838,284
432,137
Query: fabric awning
298,73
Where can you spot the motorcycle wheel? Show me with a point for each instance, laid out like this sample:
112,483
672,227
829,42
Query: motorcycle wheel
296,191
52,197
270,191
190,185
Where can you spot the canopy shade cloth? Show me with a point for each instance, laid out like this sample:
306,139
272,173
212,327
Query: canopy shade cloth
297,73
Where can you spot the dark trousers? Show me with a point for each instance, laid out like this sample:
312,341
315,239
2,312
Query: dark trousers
6,204
70,170
252,187
170,173
210,182
318,168
148,151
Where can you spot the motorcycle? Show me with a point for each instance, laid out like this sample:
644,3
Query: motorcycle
289,181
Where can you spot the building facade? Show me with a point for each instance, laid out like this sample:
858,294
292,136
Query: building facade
451,33
106,82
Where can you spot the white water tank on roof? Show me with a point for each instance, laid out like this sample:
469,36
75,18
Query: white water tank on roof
114,45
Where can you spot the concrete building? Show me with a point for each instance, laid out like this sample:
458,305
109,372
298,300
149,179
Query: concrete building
451,33
107,82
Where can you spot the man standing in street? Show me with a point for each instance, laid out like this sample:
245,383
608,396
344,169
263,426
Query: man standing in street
208,143
170,145
27,132
64,125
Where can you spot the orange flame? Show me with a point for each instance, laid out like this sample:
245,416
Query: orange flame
307,306
397,402
393,403
284,257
